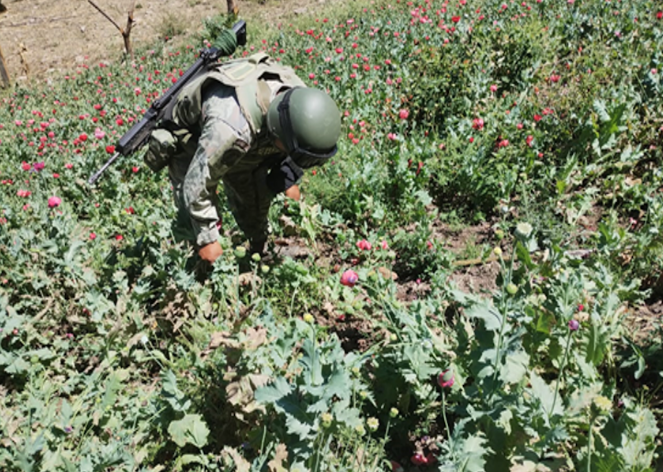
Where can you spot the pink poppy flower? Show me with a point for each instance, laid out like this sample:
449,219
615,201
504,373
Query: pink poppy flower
349,278
446,379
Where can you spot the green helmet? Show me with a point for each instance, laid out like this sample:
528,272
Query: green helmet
307,122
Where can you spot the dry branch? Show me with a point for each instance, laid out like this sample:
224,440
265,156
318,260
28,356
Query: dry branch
4,75
232,7
126,32
24,62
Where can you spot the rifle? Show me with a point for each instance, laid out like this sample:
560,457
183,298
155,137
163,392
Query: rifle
140,132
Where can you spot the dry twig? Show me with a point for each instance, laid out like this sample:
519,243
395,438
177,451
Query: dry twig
24,62
126,32
4,75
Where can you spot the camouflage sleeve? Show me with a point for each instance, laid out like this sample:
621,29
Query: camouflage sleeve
224,139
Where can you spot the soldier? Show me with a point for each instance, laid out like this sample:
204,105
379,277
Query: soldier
255,126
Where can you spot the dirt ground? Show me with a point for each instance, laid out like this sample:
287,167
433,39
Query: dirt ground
44,38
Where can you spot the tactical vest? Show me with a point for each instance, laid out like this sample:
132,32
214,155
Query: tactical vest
247,76
180,127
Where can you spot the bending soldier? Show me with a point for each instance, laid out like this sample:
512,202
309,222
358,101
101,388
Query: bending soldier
253,125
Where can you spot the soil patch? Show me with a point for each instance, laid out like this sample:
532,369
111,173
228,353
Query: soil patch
43,39
462,241
477,279
645,321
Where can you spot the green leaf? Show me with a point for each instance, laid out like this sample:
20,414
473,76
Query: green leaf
523,256
597,344
545,322
601,110
545,394
299,427
113,384
515,367
187,459
561,186
189,430
311,362
423,197
42,354
491,317
344,414
638,444
18,367
272,393
467,454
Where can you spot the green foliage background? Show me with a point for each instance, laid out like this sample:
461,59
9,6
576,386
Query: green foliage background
116,353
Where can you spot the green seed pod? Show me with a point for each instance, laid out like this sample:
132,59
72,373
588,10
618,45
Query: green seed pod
372,424
326,419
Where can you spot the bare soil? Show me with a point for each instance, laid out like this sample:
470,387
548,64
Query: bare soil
45,38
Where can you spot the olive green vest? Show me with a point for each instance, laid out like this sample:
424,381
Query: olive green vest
248,77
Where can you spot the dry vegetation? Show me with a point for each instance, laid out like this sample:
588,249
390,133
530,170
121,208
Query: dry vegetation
43,38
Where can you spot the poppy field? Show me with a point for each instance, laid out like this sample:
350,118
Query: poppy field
473,283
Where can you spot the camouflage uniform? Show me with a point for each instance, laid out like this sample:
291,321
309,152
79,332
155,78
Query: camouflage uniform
234,147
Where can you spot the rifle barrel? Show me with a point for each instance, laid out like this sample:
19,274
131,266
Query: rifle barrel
97,174
139,133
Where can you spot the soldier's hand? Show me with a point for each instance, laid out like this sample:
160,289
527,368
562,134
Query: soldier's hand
293,193
211,252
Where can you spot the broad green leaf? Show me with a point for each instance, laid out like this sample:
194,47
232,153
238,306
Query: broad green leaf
300,428
637,444
545,394
523,256
601,110
470,454
113,384
597,344
545,322
424,197
6,358
189,430
515,367
42,354
18,367
311,361
491,317
273,392
349,416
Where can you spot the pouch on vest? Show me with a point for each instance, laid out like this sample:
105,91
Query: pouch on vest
283,176
162,148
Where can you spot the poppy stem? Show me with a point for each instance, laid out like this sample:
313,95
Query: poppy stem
561,373
444,415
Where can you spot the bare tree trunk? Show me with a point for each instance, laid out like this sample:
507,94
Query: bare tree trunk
232,7
22,49
4,75
125,32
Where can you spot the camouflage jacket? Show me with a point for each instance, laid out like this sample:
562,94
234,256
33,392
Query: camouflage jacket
226,108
